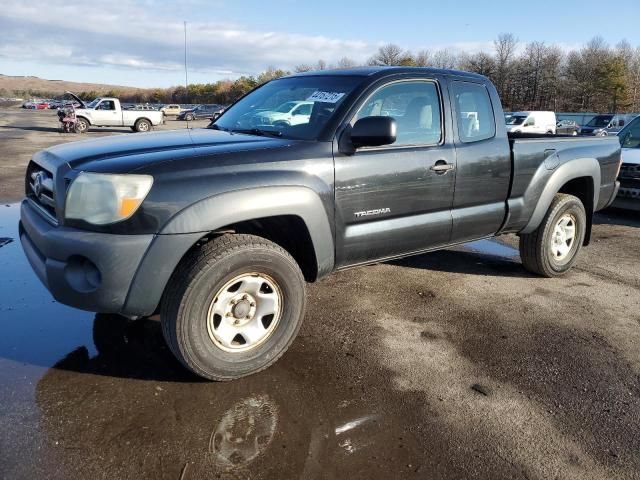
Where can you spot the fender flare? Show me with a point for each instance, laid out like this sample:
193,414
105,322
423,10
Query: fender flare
188,226
236,206
570,170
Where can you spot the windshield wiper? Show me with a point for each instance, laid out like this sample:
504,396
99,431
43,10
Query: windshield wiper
257,131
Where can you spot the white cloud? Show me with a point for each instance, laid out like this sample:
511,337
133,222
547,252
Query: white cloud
137,35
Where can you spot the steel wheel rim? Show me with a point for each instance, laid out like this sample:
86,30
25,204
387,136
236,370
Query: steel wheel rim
245,312
563,237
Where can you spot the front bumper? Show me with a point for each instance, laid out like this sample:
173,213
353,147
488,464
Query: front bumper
101,272
628,196
87,270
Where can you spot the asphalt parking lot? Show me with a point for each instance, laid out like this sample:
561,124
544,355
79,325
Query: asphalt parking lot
454,364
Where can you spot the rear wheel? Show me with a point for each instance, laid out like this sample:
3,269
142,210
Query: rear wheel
552,249
142,125
233,307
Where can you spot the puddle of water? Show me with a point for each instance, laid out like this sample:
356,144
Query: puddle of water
491,247
85,395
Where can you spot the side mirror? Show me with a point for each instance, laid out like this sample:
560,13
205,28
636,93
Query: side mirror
373,132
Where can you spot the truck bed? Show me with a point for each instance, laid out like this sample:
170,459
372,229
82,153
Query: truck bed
534,159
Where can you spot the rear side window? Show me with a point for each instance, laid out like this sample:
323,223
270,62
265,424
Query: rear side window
474,112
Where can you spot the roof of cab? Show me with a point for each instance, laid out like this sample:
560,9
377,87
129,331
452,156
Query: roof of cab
381,71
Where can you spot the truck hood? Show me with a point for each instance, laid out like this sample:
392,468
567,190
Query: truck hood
125,153
76,98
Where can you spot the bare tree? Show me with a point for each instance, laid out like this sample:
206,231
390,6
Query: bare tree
303,67
346,62
422,58
391,54
505,47
444,58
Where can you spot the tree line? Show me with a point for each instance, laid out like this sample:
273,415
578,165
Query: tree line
531,76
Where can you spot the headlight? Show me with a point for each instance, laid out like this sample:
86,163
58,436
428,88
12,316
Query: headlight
104,198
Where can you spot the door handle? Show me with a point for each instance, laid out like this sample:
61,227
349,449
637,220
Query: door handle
441,167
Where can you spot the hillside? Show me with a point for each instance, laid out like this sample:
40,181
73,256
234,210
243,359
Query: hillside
21,84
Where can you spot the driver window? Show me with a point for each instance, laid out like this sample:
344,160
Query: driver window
303,110
415,105
106,105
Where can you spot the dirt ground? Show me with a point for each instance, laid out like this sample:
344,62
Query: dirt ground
454,364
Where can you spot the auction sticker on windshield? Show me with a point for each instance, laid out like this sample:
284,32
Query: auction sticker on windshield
325,97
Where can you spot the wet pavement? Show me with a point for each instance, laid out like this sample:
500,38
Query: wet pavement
456,364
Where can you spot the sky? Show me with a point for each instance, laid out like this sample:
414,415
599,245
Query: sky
141,43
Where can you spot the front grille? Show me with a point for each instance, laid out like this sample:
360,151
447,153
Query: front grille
632,193
630,170
40,189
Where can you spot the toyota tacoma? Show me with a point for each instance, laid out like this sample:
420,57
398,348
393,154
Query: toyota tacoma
218,229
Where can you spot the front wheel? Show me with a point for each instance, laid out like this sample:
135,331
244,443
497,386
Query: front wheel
82,125
552,249
233,307
188,117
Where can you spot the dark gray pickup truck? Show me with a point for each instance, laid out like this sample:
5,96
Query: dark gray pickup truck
218,229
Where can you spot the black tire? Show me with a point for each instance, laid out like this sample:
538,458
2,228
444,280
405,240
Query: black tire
142,125
198,280
188,117
536,247
82,125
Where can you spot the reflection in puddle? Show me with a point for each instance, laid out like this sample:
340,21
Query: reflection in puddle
244,431
491,247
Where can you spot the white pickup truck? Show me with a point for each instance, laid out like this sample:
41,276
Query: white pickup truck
107,112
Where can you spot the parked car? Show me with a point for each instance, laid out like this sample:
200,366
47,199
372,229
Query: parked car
201,111
107,112
629,193
567,127
532,122
171,110
289,113
42,105
607,124
218,228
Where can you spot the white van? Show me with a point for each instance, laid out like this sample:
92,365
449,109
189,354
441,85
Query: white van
532,122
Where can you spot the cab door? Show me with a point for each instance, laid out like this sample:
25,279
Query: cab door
396,199
105,114
483,160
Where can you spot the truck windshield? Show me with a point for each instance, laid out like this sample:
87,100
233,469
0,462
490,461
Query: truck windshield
93,103
516,119
600,121
262,111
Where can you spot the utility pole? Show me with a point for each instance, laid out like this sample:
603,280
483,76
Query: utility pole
186,78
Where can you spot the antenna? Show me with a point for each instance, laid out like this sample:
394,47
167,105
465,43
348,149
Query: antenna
186,77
